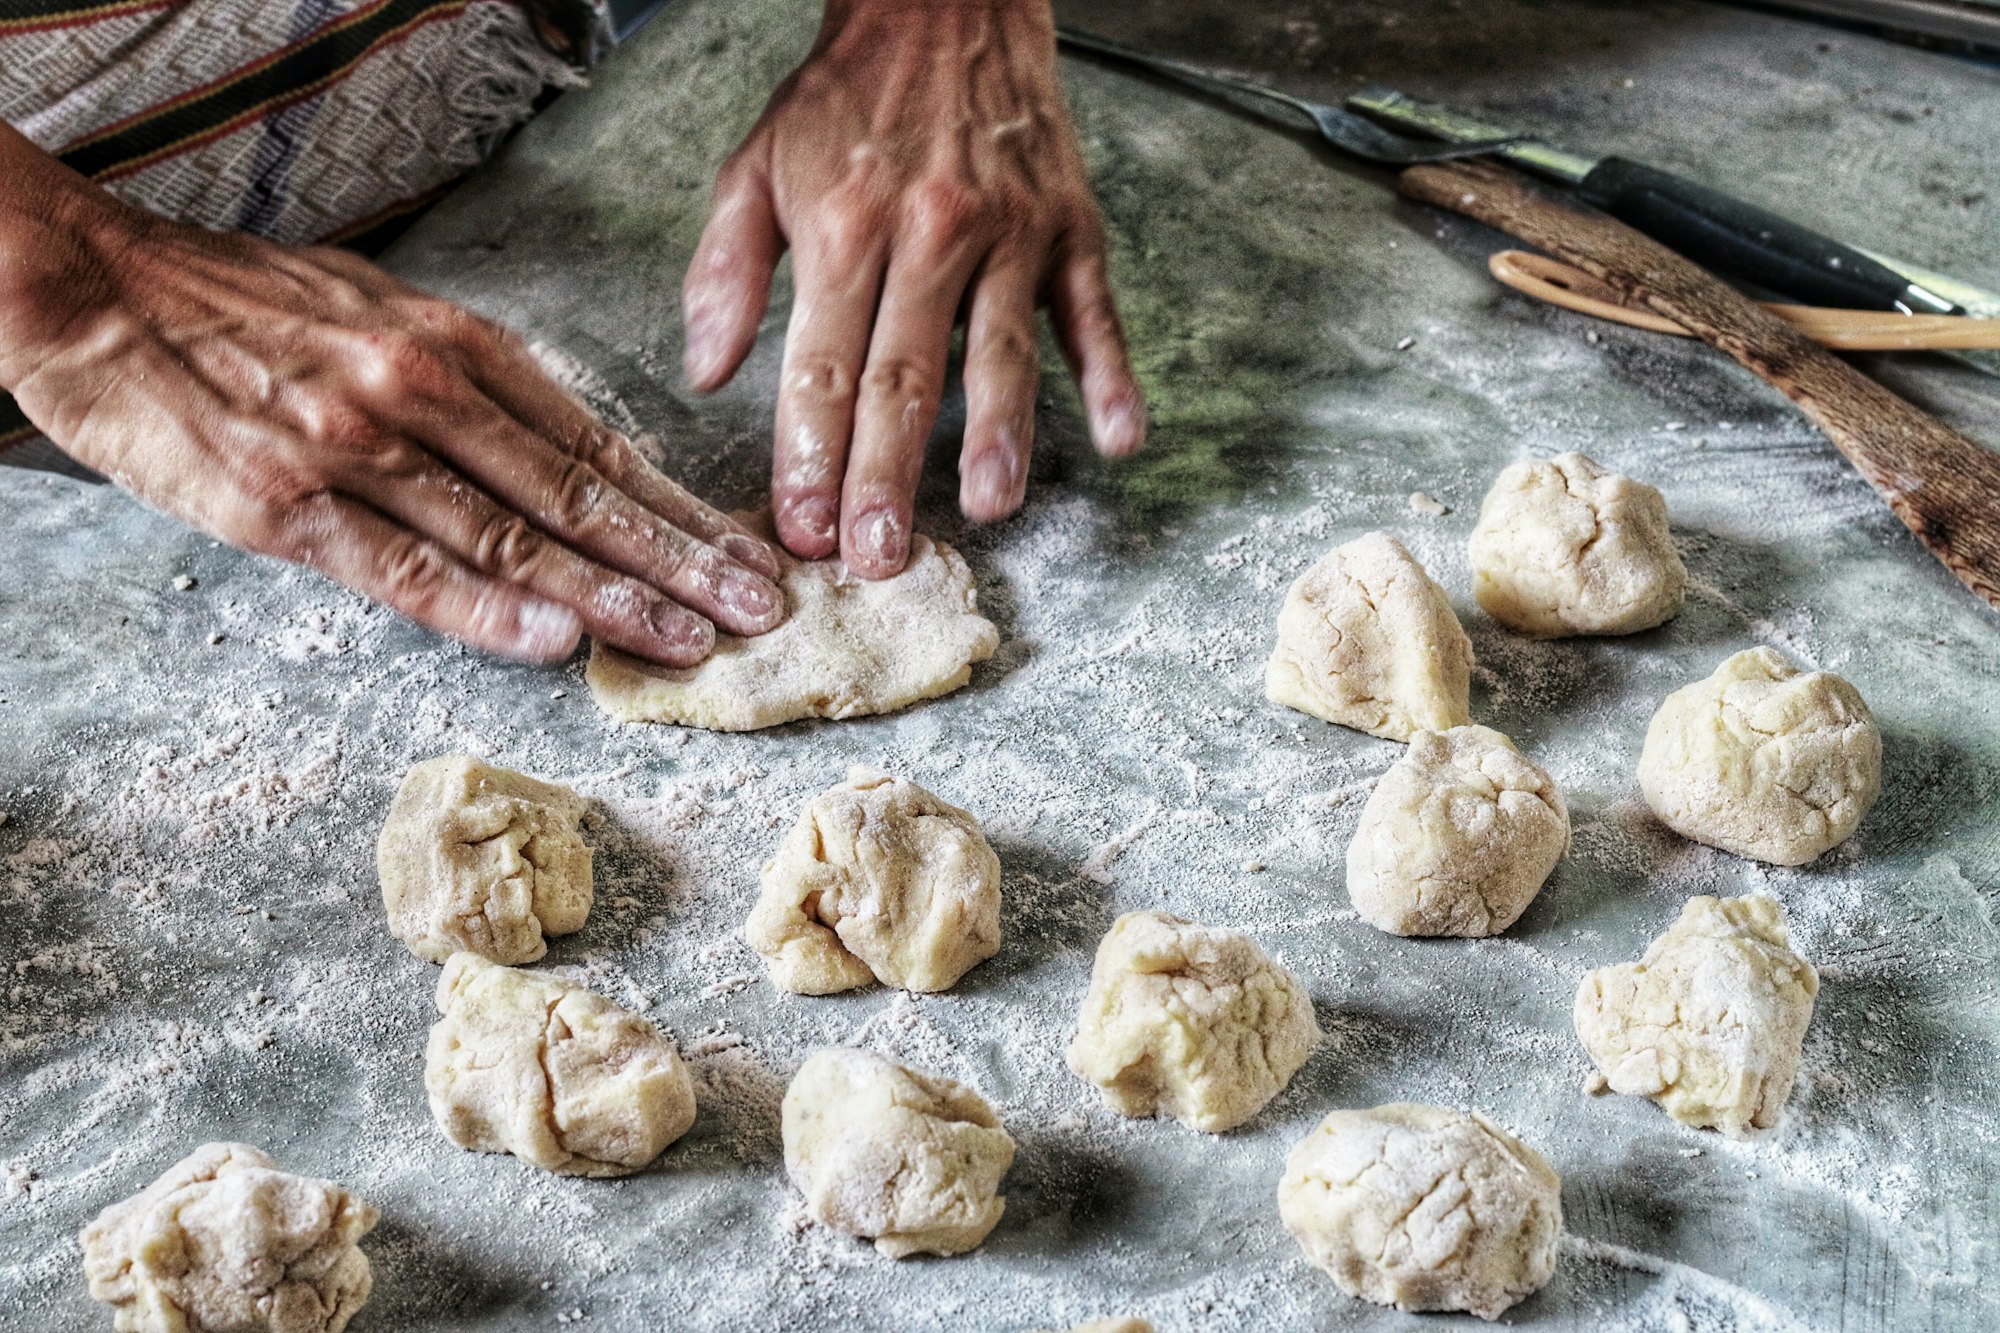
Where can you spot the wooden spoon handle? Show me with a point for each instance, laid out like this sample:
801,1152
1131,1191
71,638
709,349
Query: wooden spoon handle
1562,284
1944,487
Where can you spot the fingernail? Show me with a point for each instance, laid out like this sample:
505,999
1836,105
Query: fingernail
818,516
681,630
881,537
747,550
700,360
1119,428
544,630
750,597
988,491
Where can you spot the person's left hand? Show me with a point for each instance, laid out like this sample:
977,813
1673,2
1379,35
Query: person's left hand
922,169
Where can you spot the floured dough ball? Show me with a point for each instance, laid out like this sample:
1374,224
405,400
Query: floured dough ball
1710,1023
1564,547
1368,640
482,858
1763,760
225,1242
878,881
1424,1208
909,1160
1126,1325
551,1072
1457,837
1193,1022
850,647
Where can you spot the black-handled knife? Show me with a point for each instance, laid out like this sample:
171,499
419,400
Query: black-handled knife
1712,228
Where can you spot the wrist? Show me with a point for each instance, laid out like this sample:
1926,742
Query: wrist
56,230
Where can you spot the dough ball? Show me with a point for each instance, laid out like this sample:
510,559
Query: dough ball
1763,760
553,1073
1457,837
878,881
1193,1022
1564,547
1710,1022
881,1151
1424,1208
1368,640
851,647
482,858
1126,1325
225,1242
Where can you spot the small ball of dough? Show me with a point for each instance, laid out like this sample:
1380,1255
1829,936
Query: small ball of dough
878,881
1368,640
1763,760
1457,837
482,858
1114,1325
551,1072
1193,1022
1710,1023
1564,547
1424,1208
225,1242
881,1151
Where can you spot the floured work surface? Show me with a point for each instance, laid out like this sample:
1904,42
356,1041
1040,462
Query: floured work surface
191,932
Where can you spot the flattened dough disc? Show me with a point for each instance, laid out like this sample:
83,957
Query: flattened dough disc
851,648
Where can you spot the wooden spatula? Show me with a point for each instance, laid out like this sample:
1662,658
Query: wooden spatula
1944,487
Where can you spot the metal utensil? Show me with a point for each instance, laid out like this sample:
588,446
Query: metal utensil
1712,228
1344,129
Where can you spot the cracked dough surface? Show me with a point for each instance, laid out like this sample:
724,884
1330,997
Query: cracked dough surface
1457,837
1189,1021
482,858
910,1160
1710,1023
878,880
1563,546
225,1242
1424,1208
555,1074
1763,760
850,648
1367,639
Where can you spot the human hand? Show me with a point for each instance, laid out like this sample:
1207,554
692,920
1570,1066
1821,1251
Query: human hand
921,167
304,404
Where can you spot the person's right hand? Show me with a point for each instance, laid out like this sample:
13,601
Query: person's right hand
302,403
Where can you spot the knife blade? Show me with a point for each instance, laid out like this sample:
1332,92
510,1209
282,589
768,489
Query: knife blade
1710,227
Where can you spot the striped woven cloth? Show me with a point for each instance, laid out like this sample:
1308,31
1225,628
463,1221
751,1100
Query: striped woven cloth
298,120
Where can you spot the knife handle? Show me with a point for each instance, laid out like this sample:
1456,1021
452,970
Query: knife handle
1721,232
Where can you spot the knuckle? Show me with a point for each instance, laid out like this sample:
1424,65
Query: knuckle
398,362
820,380
508,547
581,496
411,571
1012,347
847,233
898,378
942,214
